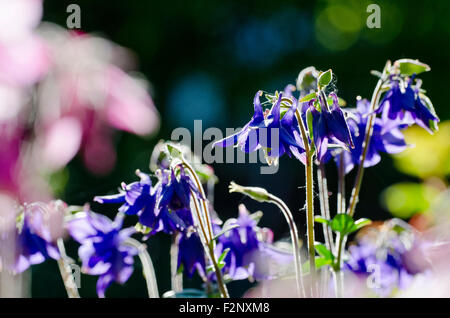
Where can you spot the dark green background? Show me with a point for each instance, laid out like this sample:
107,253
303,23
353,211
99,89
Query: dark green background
206,59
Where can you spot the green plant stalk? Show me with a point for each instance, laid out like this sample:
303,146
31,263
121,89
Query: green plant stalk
341,186
295,244
147,266
176,278
209,248
310,213
368,134
206,230
66,271
309,196
359,175
324,206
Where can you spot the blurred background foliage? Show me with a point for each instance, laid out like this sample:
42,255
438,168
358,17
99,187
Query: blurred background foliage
206,59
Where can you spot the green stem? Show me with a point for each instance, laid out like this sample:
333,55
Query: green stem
176,278
359,175
295,244
309,197
66,271
324,206
310,214
206,230
341,186
147,266
368,134
220,282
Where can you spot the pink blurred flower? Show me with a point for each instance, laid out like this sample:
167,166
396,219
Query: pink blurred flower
87,85
23,54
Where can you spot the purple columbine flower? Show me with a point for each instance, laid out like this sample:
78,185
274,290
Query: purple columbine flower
389,258
250,253
191,254
406,105
386,137
275,133
174,203
35,239
289,140
249,256
136,198
248,138
103,250
329,127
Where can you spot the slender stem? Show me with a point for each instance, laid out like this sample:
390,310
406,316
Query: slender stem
309,196
295,244
302,131
217,270
176,278
66,271
310,214
368,134
324,206
209,242
338,283
341,185
359,175
147,266
202,192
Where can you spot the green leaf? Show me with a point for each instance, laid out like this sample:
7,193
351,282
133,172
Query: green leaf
307,79
428,104
362,223
222,256
224,231
409,67
320,219
307,98
325,78
323,251
342,223
174,151
309,123
320,262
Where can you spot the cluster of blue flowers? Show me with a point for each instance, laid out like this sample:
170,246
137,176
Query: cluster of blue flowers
165,207
312,123
335,131
386,137
388,259
267,130
245,245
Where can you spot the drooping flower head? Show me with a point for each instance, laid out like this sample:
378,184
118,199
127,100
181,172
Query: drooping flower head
191,254
405,103
248,138
40,226
386,137
103,251
329,127
276,132
137,198
250,254
163,207
174,204
249,250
